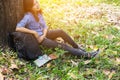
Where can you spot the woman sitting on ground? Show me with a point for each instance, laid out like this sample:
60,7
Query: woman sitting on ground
34,23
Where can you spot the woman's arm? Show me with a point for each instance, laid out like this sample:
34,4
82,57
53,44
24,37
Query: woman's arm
41,38
44,32
25,30
43,25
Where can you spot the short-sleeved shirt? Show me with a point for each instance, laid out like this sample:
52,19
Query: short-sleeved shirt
29,22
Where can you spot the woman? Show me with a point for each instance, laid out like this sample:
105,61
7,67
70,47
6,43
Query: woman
34,23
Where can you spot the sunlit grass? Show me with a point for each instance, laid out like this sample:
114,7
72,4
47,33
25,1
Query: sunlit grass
87,23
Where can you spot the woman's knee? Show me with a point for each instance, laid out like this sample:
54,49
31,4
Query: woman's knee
60,31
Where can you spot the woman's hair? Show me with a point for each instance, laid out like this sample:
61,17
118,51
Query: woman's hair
28,5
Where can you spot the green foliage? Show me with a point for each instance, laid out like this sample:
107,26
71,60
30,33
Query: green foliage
91,30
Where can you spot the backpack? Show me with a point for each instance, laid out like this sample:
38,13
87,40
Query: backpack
26,45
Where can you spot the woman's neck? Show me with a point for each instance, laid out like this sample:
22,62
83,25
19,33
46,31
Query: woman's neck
35,14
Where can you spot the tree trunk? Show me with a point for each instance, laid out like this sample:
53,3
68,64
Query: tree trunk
11,11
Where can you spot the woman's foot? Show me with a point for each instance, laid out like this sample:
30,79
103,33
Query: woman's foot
93,54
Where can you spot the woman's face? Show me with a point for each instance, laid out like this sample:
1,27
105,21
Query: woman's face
36,5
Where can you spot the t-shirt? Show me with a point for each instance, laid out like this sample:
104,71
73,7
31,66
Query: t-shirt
29,22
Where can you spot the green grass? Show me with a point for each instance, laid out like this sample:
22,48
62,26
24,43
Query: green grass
90,31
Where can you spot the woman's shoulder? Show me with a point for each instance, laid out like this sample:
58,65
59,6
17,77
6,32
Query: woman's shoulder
28,15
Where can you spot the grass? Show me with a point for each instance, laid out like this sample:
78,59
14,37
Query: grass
91,30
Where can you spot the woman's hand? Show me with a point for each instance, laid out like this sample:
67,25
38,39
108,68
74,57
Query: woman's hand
41,38
36,34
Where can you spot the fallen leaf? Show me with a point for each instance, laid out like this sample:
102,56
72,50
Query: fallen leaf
117,60
74,63
1,75
48,65
94,47
13,66
117,27
76,36
87,61
118,44
72,75
114,52
4,71
53,56
68,61
94,32
89,72
110,36
111,74
106,72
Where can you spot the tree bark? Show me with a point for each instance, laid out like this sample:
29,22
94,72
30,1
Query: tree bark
11,11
